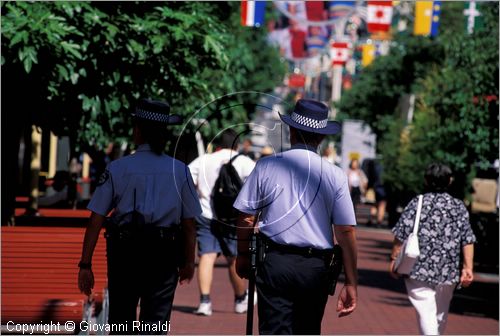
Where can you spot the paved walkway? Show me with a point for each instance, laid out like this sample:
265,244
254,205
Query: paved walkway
383,307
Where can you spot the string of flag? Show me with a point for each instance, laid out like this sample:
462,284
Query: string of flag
310,26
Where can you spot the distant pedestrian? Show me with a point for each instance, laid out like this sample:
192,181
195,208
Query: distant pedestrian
328,154
299,195
150,235
217,236
357,181
444,233
373,170
247,149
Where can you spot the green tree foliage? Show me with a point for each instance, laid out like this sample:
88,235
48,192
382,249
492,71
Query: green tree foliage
454,122
457,93
379,87
253,67
78,67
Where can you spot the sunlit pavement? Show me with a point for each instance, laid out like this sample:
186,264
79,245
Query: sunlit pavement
383,307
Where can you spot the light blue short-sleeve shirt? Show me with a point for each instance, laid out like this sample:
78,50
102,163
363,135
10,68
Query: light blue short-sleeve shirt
300,195
163,188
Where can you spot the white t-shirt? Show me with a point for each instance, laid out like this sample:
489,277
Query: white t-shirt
205,171
354,178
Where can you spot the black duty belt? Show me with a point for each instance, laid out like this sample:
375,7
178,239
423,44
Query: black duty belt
126,231
290,249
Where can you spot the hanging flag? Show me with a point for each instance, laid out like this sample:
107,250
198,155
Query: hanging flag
436,13
298,43
473,16
339,53
340,8
316,40
296,80
252,13
379,16
372,50
368,54
423,16
315,10
427,18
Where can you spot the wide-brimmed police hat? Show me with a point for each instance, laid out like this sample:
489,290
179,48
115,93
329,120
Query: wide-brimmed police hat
311,116
157,111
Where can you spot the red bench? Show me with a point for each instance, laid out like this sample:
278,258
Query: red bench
39,274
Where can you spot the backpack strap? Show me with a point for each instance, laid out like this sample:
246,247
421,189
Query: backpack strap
233,158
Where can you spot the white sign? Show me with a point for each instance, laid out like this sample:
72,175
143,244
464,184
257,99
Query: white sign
358,141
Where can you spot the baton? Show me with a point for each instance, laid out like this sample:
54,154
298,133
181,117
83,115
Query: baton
251,277
251,284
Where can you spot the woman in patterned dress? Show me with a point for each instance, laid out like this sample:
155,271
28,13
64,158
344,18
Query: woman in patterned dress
446,244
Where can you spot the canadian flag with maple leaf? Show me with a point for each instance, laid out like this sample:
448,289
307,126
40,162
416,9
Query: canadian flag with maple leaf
339,53
379,16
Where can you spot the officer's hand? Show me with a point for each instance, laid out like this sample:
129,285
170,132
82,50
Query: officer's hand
347,300
243,266
186,273
392,272
86,281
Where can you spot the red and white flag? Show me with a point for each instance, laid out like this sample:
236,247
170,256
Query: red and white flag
379,16
339,53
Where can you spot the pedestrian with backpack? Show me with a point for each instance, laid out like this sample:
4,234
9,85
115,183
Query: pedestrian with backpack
219,177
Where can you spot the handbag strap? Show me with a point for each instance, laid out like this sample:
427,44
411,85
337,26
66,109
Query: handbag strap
417,217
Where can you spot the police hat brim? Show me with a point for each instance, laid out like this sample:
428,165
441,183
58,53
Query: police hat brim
171,119
332,127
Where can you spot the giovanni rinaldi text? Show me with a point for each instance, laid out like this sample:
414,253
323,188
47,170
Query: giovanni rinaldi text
87,326
135,326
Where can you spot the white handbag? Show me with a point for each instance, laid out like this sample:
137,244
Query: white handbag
410,250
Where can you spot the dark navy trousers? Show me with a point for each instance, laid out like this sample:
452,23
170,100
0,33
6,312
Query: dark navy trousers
292,294
145,271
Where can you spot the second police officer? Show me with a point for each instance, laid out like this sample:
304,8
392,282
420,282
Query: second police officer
299,195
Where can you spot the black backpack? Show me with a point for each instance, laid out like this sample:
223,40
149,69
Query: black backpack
226,189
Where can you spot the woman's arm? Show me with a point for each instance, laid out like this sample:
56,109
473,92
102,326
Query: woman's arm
396,249
467,269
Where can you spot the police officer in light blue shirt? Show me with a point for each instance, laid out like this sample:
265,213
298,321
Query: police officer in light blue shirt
298,196
150,232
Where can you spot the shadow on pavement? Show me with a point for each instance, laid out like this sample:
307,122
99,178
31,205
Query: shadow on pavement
480,299
377,243
395,301
185,309
380,279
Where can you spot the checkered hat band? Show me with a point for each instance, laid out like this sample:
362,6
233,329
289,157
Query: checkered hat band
309,122
153,116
